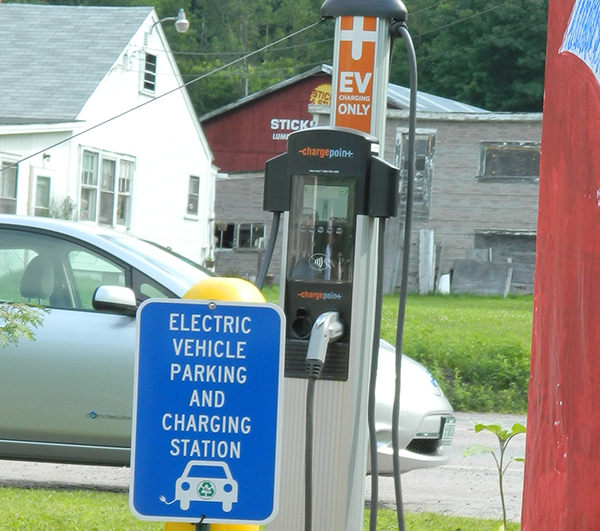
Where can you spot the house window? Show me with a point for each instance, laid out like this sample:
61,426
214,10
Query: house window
8,189
424,152
251,235
149,82
193,195
124,199
509,161
105,188
224,234
89,186
42,196
239,236
107,191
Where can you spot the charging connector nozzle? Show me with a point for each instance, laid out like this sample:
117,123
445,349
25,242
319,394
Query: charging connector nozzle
327,329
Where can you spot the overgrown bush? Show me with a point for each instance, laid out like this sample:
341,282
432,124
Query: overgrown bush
478,348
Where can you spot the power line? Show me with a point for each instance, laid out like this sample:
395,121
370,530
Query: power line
478,43
428,8
221,54
218,69
463,19
259,72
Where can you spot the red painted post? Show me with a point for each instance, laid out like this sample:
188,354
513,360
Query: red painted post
562,469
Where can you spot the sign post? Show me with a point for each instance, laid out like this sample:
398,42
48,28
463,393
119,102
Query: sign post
358,101
205,441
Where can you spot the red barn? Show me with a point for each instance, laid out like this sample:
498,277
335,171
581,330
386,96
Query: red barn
247,133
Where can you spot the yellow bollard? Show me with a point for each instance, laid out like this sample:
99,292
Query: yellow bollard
220,289
229,527
225,289
178,526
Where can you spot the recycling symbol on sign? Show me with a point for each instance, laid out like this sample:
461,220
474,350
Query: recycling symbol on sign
206,490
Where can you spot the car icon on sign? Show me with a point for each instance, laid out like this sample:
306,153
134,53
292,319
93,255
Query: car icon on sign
206,481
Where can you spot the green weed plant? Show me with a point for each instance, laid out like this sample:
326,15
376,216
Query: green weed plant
504,437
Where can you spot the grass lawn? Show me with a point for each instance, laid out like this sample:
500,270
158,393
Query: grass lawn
477,347
65,510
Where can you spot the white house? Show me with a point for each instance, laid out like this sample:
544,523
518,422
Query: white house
92,124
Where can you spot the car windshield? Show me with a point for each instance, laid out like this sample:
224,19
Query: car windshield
165,259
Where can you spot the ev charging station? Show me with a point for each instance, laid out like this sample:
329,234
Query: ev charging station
332,188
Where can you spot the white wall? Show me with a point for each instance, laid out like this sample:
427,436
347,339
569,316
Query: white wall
167,142
163,137
17,143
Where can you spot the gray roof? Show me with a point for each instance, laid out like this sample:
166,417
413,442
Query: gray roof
398,97
52,58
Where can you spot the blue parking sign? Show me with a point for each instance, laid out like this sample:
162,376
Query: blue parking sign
205,440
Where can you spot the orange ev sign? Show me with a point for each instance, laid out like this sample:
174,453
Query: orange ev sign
356,63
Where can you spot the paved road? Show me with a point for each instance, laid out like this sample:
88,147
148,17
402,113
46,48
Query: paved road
467,486
464,487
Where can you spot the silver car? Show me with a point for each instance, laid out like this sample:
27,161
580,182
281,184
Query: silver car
67,396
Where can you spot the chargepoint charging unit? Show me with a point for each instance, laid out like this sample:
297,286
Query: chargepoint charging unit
335,191
330,185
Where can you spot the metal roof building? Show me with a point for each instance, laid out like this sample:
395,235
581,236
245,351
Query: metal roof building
475,188
398,97
245,134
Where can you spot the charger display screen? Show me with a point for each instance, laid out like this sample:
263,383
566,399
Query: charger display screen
326,202
322,228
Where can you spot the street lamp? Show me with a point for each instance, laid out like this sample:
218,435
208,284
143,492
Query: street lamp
181,23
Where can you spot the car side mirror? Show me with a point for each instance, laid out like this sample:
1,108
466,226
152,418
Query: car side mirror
115,299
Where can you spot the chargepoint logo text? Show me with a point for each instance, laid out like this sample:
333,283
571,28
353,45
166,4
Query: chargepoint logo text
327,153
320,295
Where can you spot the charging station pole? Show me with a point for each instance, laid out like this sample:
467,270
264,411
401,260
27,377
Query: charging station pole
359,101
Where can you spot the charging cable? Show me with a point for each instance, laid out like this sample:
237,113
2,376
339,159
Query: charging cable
399,29
327,329
372,400
269,252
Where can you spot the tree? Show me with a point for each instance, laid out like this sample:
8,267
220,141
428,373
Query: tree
232,29
489,53
17,321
